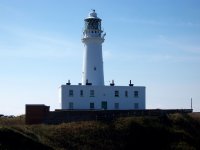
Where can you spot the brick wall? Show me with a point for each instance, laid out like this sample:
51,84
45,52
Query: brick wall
36,113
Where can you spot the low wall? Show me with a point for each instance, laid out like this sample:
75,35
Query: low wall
60,116
37,114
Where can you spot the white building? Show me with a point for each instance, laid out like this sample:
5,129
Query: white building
92,93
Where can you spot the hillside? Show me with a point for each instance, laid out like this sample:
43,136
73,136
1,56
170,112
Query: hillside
175,131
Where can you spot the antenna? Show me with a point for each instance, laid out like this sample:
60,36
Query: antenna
191,103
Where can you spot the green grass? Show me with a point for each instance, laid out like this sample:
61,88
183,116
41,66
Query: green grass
174,131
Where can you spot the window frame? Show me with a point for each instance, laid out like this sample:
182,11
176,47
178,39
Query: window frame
71,93
126,93
136,94
136,105
116,106
81,93
92,104
92,93
116,94
71,105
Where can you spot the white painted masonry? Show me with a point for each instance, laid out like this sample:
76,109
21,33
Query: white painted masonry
92,93
92,57
129,97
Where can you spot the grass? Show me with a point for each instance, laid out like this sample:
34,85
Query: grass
176,131
19,120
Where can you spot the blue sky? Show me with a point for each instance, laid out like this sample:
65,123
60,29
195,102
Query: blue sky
155,43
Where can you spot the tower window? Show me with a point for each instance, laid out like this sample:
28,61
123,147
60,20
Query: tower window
126,93
92,31
81,93
116,93
71,93
91,93
136,94
95,68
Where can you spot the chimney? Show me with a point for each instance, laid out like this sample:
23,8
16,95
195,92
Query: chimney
68,83
87,83
112,84
130,84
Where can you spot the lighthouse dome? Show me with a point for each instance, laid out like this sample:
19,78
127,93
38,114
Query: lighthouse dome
92,14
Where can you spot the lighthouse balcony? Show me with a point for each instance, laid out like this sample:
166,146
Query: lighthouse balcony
92,33
93,36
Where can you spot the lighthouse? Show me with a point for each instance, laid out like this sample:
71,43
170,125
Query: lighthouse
92,93
93,38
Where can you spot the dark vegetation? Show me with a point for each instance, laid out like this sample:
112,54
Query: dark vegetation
175,131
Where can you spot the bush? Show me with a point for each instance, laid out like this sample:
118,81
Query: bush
175,131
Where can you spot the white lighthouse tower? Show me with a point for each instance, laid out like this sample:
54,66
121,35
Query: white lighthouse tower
92,57
92,94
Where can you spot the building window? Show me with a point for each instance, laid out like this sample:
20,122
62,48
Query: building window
91,105
116,93
71,105
71,93
136,94
136,106
81,93
126,93
104,105
116,105
91,93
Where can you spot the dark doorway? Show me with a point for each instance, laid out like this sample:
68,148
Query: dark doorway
104,105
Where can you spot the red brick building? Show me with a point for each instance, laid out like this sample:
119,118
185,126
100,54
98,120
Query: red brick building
36,113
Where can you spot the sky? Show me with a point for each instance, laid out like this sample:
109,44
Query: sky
154,43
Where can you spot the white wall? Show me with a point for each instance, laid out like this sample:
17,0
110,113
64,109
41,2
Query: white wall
92,58
102,93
